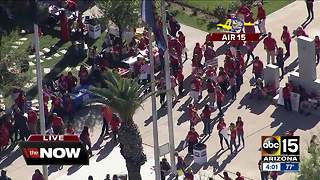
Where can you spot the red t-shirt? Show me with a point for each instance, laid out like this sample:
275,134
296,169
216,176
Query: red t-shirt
182,40
57,121
233,134
197,84
270,43
32,117
286,93
193,136
198,50
57,102
220,96
115,123
244,10
240,178
239,125
257,66
72,81
106,114
261,13
301,32
317,44
180,77
221,125
286,37
206,113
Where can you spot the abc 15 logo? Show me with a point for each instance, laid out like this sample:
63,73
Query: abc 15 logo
280,145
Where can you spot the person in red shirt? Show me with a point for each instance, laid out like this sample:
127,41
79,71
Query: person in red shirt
211,92
197,50
115,124
71,82
233,86
21,102
317,45
188,175
192,139
249,29
286,39
57,124
68,107
239,177
261,17
180,79
206,114
63,84
222,125
57,106
106,117
300,32
32,121
270,45
220,99
85,138
257,67
209,56
243,11
240,132
195,89
233,135
182,40
286,97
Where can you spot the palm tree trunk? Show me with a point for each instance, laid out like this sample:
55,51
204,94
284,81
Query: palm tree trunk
131,148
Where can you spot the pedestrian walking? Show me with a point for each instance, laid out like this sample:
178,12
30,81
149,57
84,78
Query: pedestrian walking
115,124
164,168
286,39
192,139
226,176
180,79
211,92
233,135
85,139
257,69
220,127
188,175
195,89
309,4
220,99
205,116
280,61
4,175
270,45
250,47
106,118
182,40
233,86
286,97
181,164
32,121
317,45
261,18
240,132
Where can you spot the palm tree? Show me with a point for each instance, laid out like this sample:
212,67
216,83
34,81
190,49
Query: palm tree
125,96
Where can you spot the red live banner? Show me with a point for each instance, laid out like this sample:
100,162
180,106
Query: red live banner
233,37
41,138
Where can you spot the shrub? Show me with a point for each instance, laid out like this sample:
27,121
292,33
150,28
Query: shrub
220,13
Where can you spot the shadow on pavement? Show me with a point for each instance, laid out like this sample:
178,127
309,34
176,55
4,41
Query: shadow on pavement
73,169
10,158
54,168
162,111
291,121
108,147
255,106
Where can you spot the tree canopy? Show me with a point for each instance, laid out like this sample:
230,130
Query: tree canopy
124,14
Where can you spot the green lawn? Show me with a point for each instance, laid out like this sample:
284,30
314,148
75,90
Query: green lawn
204,23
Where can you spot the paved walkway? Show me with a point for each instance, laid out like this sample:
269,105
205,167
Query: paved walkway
260,117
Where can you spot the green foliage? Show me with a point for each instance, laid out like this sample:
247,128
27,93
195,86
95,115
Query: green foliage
124,14
233,6
125,96
310,166
220,13
12,61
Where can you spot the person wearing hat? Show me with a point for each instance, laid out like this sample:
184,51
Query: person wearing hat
115,124
57,124
192,139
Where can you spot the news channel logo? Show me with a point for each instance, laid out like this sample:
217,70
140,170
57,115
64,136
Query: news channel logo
280,145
